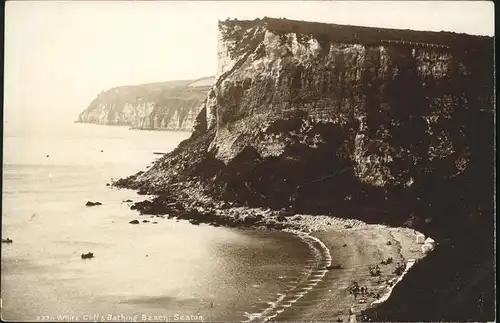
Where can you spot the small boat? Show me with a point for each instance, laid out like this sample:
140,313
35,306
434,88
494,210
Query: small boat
334,267
159,153
87,255
7,240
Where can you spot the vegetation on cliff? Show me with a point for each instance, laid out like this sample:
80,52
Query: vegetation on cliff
346,34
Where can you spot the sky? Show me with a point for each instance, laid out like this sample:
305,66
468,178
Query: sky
60,55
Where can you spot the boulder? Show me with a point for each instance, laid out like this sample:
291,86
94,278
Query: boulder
90,203
427,247
87,255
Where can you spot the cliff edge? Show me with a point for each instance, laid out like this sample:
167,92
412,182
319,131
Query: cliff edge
386,126
170,105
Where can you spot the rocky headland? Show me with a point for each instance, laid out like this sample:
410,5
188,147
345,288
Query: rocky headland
171,105
309,124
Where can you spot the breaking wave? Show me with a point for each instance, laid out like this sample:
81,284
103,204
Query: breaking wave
312,274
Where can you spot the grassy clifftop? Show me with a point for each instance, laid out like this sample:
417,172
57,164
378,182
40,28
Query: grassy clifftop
362,35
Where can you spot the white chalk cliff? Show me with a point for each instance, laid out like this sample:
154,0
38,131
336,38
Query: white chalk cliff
170,105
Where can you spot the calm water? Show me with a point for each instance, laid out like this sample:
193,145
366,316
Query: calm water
159,272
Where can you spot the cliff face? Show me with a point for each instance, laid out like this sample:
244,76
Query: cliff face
161,106
387,126
390,112
401,102
357,110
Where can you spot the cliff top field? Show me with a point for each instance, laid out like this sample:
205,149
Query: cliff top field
158,90
359,34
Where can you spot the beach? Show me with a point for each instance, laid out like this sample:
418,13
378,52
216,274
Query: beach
355,250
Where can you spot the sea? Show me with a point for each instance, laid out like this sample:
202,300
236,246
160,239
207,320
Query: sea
165,271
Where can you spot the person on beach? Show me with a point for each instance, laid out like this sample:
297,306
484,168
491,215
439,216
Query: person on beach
354,290
352,316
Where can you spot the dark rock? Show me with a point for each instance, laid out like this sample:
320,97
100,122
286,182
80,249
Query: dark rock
154,207
127,201
374,270
281,218
259,217
134,222
145,221
286,212
107,184
176,205
386,261
154,222
87,255
195,221
90,203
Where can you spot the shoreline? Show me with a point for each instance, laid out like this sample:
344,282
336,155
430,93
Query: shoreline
314,276
134,128
367,247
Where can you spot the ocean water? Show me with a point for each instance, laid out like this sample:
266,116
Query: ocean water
169,271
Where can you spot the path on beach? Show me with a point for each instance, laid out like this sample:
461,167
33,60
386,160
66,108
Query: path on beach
365,245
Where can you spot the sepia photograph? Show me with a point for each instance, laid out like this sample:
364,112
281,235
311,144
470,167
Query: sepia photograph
248,161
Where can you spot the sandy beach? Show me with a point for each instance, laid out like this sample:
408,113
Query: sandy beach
355,250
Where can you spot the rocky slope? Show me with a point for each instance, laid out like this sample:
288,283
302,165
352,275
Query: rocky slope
385,126
170,105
